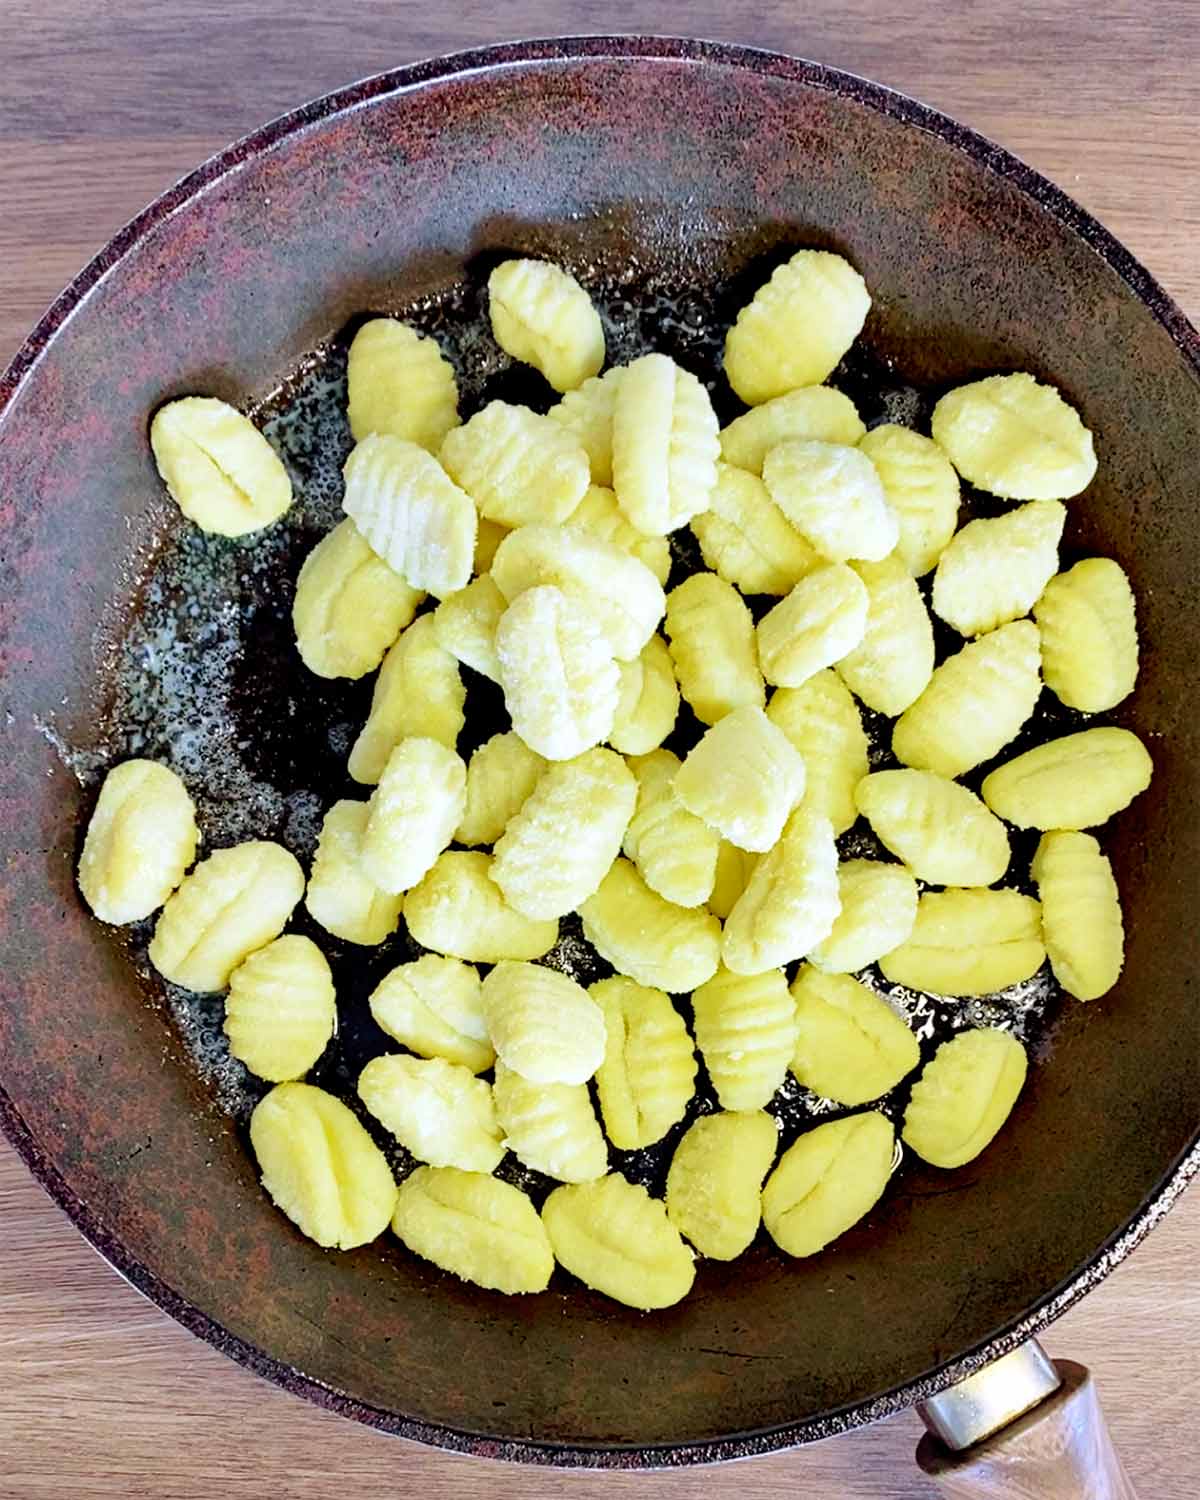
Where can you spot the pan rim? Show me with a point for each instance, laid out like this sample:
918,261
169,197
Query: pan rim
566,50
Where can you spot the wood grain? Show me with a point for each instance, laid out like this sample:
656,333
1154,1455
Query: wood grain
101,107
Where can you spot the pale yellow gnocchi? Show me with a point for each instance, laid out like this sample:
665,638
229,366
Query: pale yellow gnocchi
434,1007
341,896
600,516
823,723
743,779
812,411
649,1070
233,902
746,1032
878,909
399,382
419,693
488,536
714,1185
994,569
647,702
542,1024
281,1009
675,852
1088,622
730,878
458,910
476,1227
1078,781
891,665
320,1167
349,605
921,487
969,942
618,1240
664,445
413,813
797,326
517,466
746,539
661,945
218,467
543,317
140,840
558,847
790,902
851,1046
1081,913
550,1127
712,643
501,774
832,495
411,513
464,624
976,701
942,831
964,1095
822,619
1015,438
827,1181
587,414
436,1109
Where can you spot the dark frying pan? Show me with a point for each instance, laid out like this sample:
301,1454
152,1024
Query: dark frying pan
671,174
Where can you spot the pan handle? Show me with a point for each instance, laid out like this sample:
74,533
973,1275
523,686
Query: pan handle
1022,1428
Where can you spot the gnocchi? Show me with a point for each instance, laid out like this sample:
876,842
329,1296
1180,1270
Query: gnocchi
600,516
851,1046
464,624
730,878
823,723
994,569
827,1181
434,1007
436,1109
587,414
458,910
746,1032
218,467
820,620
791,901
647,701
747,540
942,831
664,445
1088,624
550,1127
399,382
969,942
618,1240
418,521
1081,913
646,1080
413,813
1074,782
812,411
419,693
141,838
281,1010
662,946
501,775
878,908
891,665
517,466
233,902
674,851
542,316
341,896
963,1096
921,488
714,1184
712,644
832,495
488,536
542,1024
743,779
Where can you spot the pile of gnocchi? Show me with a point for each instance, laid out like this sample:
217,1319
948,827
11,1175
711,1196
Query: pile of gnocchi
534,549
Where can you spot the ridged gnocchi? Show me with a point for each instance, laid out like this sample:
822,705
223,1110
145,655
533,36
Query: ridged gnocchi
1078,781
815,625
797,326
878,909
1081,913
976,701
648,1075
218,467
559,676
969,942
349,605
664,445
714,1185
587,414
542,316
823,723
743,779
542,1024
963,1096
827,1181
501,774
558,847
413,813
1088,623
233,902
458,910
434,1007
1015,438
320,1167
419,693
464,624
832,495
921,487
141,838
647,702
662,946
341,896
851,1046
550,1127
812,411
675,852
791,901
746,1032
281,1009
517,466
994,569
476,1227
399,382
942,831
436,1109
600,516
618,1240
712,643
746,539
891,665
411,513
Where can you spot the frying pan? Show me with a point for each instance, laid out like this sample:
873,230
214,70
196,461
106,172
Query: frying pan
671,175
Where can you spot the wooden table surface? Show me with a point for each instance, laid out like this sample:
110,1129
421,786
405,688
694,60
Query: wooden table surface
104,105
